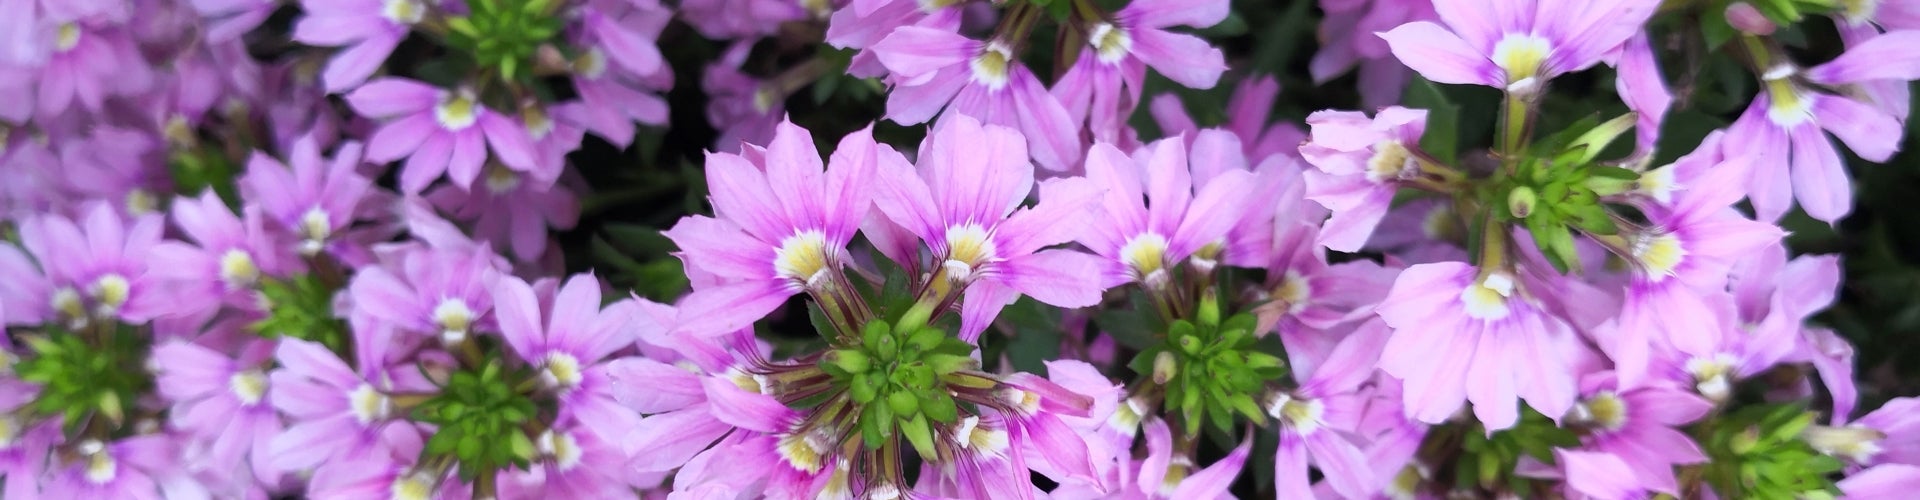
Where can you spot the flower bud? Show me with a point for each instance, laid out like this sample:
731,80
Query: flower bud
1164,367
1748,19
1520,202
850,360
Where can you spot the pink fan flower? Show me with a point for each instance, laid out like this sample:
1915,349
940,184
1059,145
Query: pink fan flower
569,349
1103,86
1317,419
1460,334
1785,122
1306,298
982,80
231,18
97,268
435,292
1681,257
1712,361
863,23
1888,435
512,208
1248,113
571,464
1360,164
620,74
84,61
1641,427
1351,33
368,30
143,467
229,256
1515,45
223,402
335,415
729,19
782,224
960,202
315,199
1141,240
746,109
441,131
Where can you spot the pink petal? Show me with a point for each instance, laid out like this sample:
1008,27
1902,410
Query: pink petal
389,97
1185,59
746,410
1441,56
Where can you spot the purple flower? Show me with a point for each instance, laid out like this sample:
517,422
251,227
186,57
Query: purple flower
614,96
1460,334
1640,426
1784,123
960,202
96,269
1639,84
1361,164
780,229
1141,240
1247,118
231,18
1515,45
83,61
729,19
143,467
315,199
746,109
511,208
1316,420
434,292
1104,84
568,350
227,259
983,80
368,29
1888,435
571,464
335,415
1351,33
863,23
222,402
441,131
1886,481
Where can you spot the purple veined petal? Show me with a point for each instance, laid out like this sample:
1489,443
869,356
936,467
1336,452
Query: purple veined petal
724,309
427,163
335,31
381,294
1215,210
1185,59
1164,13
1679,313
401,137
722,248
1666,406
1882,481
1480,24
650,387
467,154
1598,475
1213,481
1833,360
309,443
1055,142
1491,384
1065,450
1214,152
1441,56
354,64
668,440
1342,464
918,103
1075,89
1869,132
518,313
1809,284
1820,181
1584,37
1169,185
631,50
511,144
742,195
746,410
389,97
1352,361
1436,379
1171,114
1640,85
1119,209
1290,468
1889,56
912,51
849,183
1064,204
904,198
796,174
1349,229
576,309
1062,278
980,304
1153,468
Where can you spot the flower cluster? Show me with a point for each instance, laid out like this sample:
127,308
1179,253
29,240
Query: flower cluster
387,249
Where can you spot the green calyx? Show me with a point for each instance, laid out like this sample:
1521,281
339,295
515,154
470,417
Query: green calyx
1758,452
1557,191
302,308
504,34
1489,460
898,378
96,372
479,416
1211,371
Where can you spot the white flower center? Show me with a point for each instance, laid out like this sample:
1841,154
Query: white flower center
968,247
369,405
747,381
67,301
591,64
1487,298
1521,55
562,371
1145,254
1713,375
1788,106
1178,468
110,291
1659,254
501,180
562,447
968,434
1126,417
990,67
315,227
1027,401
250,387
67,37
101,467
454,318
1657,184
237,269
804,451
413,486
1390,162
1112,43
403,12
803,257
1605,409
1305,416
1295,291
456,111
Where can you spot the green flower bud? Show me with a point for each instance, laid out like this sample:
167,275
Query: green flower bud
1520,202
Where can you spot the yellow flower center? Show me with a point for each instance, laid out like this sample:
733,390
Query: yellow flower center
1659,254
110,291
237,269
415,486
454,318
1604,409
1294,290
369,404
1713,375
561,447
1853,442
403,12
1145,254
968,247
101,467
1521,55
315,227
500,179
990,67
1390,161
456,112
1487,299
1303,415
986,441
1111,42
1787,105
250,387
67,37
562,371
804,451
591,64
67,301
803,257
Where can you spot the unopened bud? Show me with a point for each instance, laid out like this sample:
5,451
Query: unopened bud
1589,145
1520,202
1164,367
1748,19
850,360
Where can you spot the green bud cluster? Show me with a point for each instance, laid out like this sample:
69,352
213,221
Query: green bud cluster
478,417
1757,452
505,34
1211,370
81,376
1558,190
899,378
302,308
1489,461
